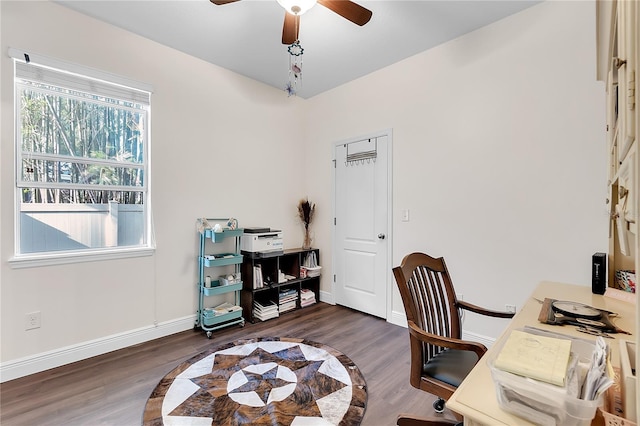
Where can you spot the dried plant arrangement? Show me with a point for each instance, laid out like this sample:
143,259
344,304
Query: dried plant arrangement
306,210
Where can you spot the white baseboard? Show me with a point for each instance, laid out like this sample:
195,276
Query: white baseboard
21,367
32,364
475,337
46,360
399,318
327,297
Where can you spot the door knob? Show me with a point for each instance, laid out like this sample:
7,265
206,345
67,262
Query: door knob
381,236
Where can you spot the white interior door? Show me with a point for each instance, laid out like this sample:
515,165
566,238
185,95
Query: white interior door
362,227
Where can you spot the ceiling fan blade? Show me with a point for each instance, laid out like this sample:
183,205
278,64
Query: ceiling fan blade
348,10
221,2
290,28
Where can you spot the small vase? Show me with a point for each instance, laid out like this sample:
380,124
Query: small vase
306,244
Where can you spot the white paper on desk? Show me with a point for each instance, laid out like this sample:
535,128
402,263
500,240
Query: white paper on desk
538,357
574,377
597,380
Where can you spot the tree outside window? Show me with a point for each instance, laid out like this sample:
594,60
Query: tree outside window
82,163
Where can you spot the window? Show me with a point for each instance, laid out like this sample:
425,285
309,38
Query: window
82,164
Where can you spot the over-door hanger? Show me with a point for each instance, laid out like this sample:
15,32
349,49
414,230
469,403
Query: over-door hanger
355,158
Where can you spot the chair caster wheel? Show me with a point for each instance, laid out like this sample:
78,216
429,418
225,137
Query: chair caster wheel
438,405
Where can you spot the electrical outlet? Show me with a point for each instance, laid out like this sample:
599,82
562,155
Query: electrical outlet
32,320
510,308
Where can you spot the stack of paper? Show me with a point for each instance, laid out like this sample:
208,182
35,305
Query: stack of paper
598,377
288,299
225,308
307,297
537,357
266,311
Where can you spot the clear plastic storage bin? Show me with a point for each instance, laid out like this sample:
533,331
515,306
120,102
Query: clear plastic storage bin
542,403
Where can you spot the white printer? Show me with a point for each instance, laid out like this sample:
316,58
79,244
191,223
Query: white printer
261,240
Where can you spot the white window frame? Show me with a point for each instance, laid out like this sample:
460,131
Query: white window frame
134,90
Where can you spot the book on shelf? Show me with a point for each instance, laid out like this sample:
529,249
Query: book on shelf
306,303
267,307
306,294
265,316
537,357
258,281
288,292
287,306
265,311
307,297
288,298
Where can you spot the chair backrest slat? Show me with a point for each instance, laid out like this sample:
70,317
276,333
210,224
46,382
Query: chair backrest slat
428,297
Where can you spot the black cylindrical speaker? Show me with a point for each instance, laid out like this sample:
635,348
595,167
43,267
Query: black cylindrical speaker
599,273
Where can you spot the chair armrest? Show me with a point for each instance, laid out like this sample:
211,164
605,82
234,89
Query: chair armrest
482,311
446,342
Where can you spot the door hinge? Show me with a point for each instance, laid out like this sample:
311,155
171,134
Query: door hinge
334,163
334,222
334,278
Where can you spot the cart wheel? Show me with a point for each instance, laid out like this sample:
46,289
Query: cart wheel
438,405
242,324
209,335
195,327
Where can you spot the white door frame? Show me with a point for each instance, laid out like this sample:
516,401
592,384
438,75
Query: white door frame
389,235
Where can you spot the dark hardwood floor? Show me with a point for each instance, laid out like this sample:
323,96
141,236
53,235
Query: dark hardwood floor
112,389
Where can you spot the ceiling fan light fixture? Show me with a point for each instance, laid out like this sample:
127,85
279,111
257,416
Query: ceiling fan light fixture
297,7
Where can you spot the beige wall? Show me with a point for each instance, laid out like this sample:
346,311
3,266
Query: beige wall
498,153
222,146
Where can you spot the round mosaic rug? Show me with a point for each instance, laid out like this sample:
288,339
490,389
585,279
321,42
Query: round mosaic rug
265,381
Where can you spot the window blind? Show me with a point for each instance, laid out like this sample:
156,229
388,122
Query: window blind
79,78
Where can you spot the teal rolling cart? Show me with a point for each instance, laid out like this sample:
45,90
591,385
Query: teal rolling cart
218,274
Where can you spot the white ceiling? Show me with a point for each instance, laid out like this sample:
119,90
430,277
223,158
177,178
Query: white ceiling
245,36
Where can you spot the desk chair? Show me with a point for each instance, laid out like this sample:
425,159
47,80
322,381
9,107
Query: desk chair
440,359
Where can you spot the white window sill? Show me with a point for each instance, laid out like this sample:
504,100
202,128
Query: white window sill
62,258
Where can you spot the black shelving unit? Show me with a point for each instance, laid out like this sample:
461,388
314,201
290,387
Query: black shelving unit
290,263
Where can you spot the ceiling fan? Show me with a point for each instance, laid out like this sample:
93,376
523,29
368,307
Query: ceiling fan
294,8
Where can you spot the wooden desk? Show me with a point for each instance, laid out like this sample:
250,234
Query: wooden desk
475,399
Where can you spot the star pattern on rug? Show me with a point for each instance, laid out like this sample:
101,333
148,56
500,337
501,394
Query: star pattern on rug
265,383
262,383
